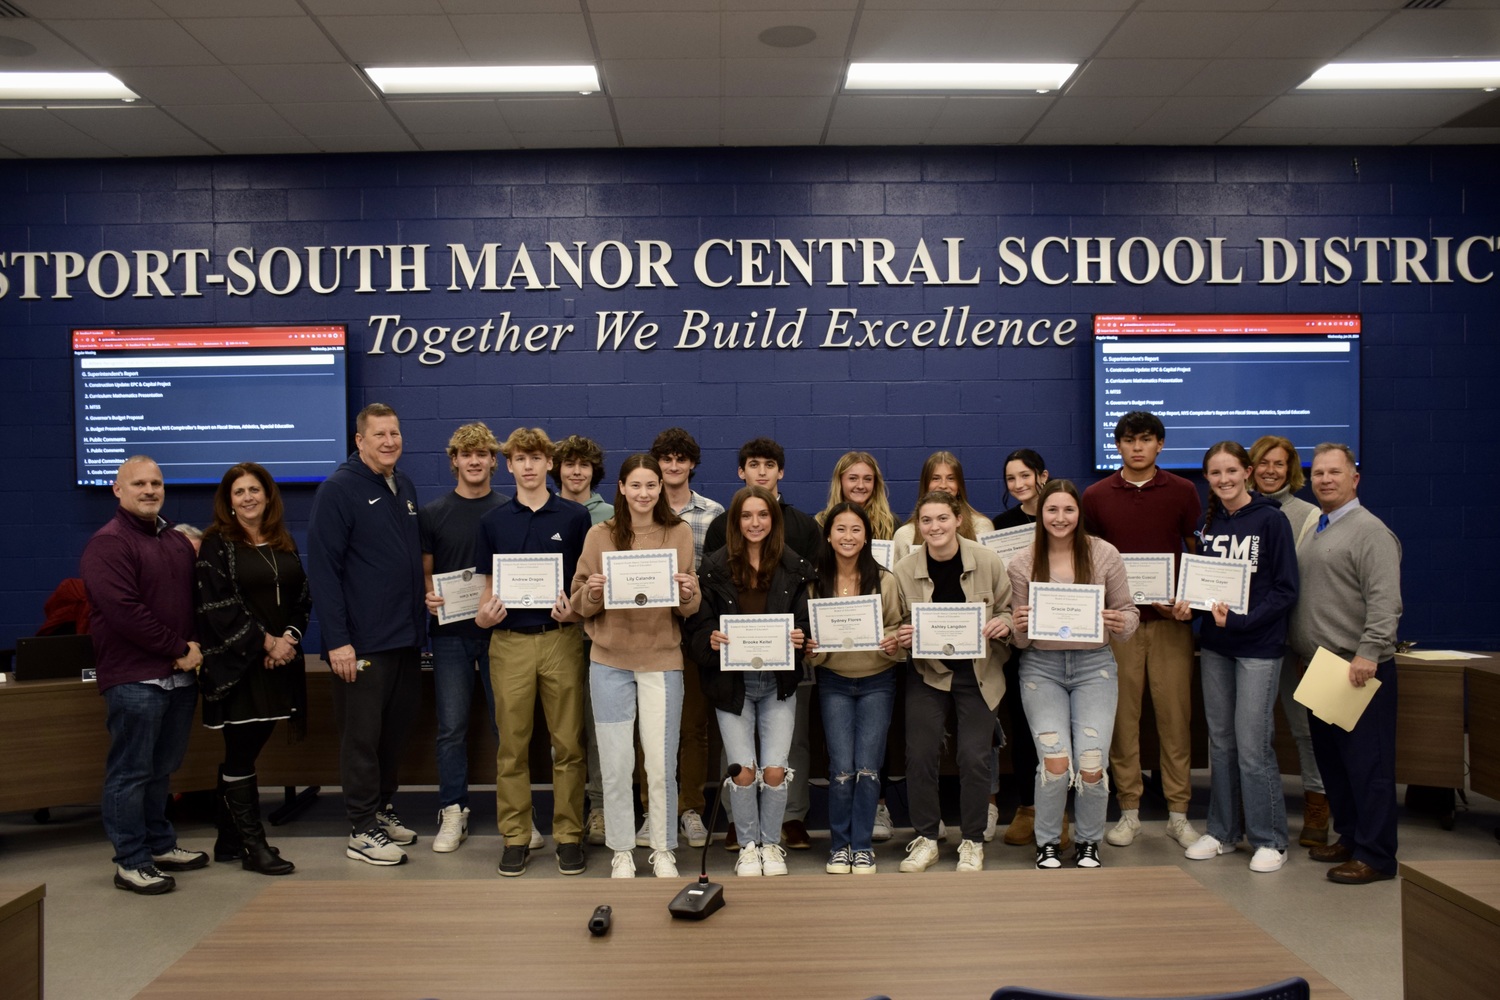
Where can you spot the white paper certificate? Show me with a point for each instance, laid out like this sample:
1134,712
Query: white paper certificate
948,631
1149,576
527,580
640,579
757,642
1067,612
1009,542
846,624
462,592
1204,581
884,551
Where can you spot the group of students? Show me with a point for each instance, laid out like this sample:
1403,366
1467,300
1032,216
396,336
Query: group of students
627,674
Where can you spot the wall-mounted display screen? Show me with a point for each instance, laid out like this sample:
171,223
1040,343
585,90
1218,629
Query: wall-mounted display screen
1234,377
201,399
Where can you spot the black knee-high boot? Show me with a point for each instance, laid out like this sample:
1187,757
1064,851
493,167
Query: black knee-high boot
242,797
227,846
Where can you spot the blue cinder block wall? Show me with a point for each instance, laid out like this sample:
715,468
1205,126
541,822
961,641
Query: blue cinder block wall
1431,352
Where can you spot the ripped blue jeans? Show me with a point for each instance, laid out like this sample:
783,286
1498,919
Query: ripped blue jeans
758,807
856,719
1069,697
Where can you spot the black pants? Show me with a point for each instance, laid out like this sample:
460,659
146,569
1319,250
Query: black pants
375,713
1359,775
1022,750
926,718
243,742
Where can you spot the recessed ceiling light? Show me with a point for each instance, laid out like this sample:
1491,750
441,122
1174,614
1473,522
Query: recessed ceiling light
1445,75
63,87
958,76
582,79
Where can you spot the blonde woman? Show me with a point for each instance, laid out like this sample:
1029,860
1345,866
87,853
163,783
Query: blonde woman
856,479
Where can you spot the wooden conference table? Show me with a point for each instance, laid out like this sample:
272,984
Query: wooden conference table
942,934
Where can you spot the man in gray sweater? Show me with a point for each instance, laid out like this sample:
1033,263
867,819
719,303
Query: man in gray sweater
1350,604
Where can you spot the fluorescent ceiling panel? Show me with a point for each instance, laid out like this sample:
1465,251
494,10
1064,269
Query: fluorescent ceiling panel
958,76
1448,75
582,79
64,87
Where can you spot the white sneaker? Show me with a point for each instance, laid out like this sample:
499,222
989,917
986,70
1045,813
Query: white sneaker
148,880
453,828
1123,833
747,864
664,864
536,835
643,835
884,829
1267,859
399,832
1206,847
1180,830
840,861
623,866
920,854
864,863
772,859
991,822
373,847
593,829
693,828
970,856
942,831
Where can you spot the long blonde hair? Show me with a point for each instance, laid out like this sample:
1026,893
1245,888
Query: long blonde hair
961,493
878,510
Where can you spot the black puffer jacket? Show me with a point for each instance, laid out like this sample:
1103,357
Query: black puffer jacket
787,594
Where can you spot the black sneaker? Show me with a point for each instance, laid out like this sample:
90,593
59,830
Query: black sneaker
513,859
570,859
1086,855
179,860
1046,857
146,880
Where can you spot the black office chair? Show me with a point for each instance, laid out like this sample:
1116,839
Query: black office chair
1288,989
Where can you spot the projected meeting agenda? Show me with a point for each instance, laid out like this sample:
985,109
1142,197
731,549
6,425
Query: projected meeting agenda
201,399
1234,376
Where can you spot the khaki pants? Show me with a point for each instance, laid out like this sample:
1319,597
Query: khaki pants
1160,653
523,668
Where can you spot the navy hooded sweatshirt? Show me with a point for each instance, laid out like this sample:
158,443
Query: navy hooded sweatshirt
364,558
1261,533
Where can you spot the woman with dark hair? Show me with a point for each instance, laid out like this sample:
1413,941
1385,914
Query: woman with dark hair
754,574
942,471
635,667
1240,658
856,689
856,479
253,603
951,569
1070,688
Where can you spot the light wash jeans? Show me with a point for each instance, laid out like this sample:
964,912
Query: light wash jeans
1297,722
758,807
856,720
1239,701
1069,697
453,660
619,698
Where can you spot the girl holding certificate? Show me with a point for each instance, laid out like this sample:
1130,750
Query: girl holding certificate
856,689
635,668
754,574
942,471
1240,656
857,479
951,569
1069,687
253,604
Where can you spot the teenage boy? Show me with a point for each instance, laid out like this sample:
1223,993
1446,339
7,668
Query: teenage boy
536,653
1143,508
678,454
577,469
763,463
448,526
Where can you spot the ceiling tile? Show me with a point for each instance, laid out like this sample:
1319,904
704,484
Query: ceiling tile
266,145
512,6
648,138
314,82
52,53
992,112
854,113
656,35
1134,77
1274,137
1371,136
137,131
1171,135
222,121
742,33
567,140
1109,113
557,114
230,8
316,120
187,85
38,133
977,134
70,9
776,112
397,41
876,136
1386,109
782,77
1220,113
1315,35
1439,33
262,40
524,38
1070,135
138,42
352,143
449,116
1461,136
668,113
942,35
662,77
466,140
1242,77
770,136
338,8
1148,35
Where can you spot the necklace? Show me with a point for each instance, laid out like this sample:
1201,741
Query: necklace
847,585
275,570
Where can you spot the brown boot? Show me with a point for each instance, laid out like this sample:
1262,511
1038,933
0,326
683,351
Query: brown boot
1314,820
1067,836
1022,829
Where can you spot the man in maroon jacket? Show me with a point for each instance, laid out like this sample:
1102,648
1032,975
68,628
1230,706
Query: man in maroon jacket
139,575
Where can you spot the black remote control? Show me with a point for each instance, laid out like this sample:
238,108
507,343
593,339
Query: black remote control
599,922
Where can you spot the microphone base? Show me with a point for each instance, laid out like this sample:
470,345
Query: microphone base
697,901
